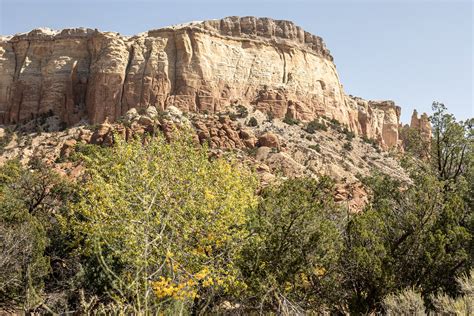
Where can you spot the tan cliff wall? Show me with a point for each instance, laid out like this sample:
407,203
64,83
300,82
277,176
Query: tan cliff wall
421,127
200,66
422,124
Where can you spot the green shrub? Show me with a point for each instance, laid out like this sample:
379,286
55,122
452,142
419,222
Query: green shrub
242,111
388,245
295,247
336,125
291,121
347,146
28,198
334,122
82,150
314,126
316,147
234,116
252,122
373,143
407,302
5,140
349,134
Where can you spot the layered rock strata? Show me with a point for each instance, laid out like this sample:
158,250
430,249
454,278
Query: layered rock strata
274,66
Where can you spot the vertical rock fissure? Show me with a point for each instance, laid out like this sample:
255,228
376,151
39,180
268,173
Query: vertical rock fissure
18,66
89,66
236,68
175,71
131,54
19,108
71,97
40,97
147,57
66,109
196,101
284,79
250,74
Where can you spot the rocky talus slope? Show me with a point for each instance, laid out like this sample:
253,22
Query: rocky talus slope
275,149
275,66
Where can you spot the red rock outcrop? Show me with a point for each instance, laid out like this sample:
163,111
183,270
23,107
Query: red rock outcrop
417,135
84,74
421,124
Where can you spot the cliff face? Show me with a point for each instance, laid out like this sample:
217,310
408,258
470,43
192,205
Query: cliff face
272,65
422,125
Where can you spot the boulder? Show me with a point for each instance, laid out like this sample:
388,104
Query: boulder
269,140
131,116
67,148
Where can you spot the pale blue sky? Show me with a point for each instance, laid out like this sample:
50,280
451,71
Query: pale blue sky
413,52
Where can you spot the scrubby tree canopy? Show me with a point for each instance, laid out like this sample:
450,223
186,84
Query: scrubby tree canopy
163,226
453,143
27,199
296,245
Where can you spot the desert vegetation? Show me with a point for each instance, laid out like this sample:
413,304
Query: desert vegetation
160,225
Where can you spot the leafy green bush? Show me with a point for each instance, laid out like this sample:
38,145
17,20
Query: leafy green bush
314,126
295,247
370,141
242,111
452,150
290,121
316,147
27,201
347,146
5,140
162,222
334,122
252,122
404,227
349,134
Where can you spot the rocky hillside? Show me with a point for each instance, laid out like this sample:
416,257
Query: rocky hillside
275,66
263,88
275,149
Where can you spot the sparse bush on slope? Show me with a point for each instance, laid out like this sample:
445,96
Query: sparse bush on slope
407,302
463,304
410,301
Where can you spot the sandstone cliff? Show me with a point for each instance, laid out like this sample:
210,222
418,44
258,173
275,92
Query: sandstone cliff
421,124
273,66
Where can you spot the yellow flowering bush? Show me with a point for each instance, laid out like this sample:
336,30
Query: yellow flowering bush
164,221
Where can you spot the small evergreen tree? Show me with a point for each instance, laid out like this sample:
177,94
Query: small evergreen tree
294,251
